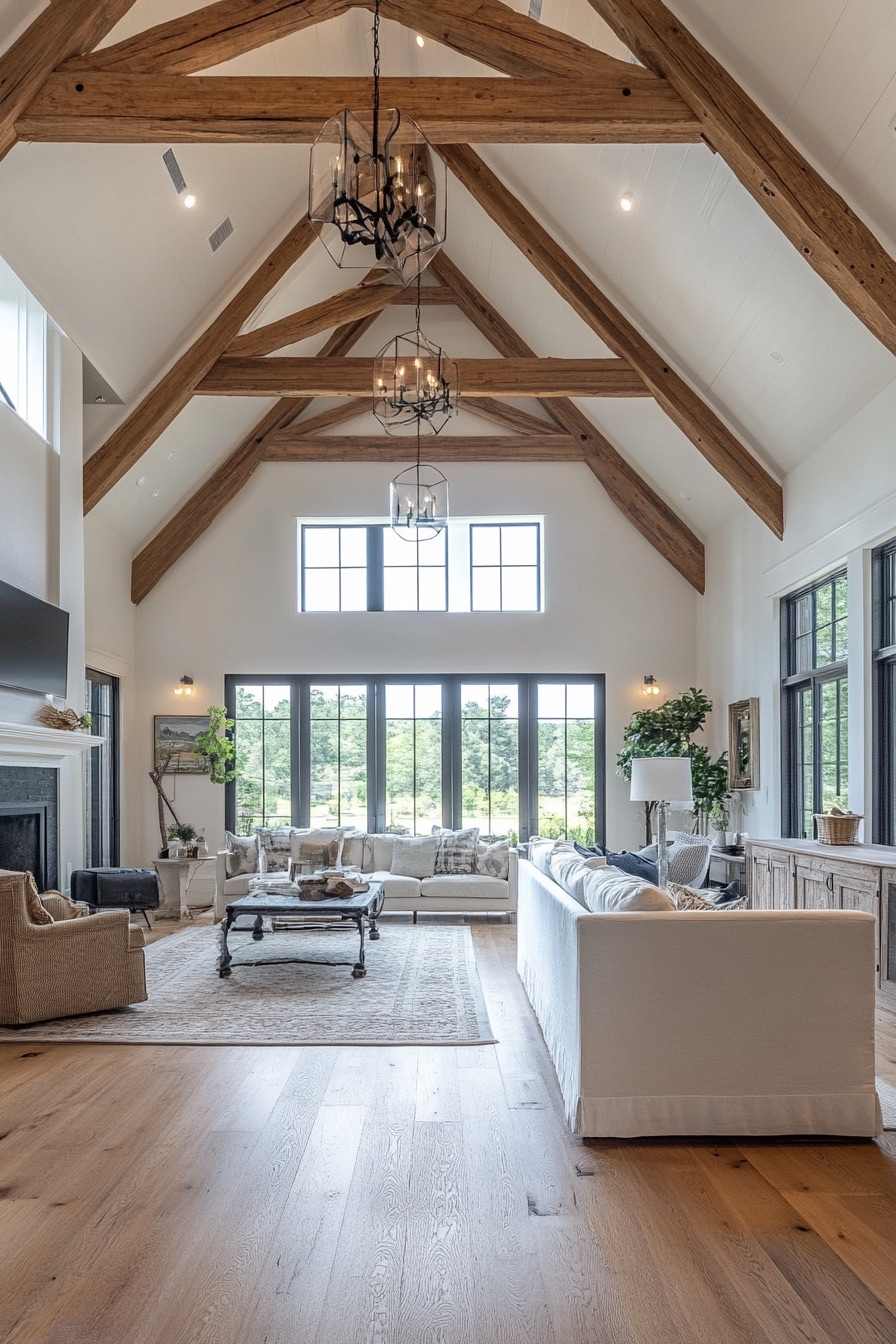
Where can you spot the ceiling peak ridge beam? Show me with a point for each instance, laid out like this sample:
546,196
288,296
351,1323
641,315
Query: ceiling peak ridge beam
684,406
498,36
647,511
343,307
226,481
127,444
212,35
86,106
59,31
815,218
285,376
290,445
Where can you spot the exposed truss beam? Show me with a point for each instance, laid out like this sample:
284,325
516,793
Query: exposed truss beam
502,413
216,33
498,36
806,208
336,415
101,108
344,307
283,376
756,486
289,445
634,498
226,481
171,393
64,28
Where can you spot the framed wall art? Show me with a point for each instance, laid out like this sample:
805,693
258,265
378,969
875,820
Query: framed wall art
743,744
174,743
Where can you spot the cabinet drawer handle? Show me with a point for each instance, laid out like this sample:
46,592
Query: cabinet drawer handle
829,881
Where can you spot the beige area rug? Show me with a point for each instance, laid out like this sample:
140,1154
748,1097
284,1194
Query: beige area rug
421,988
886,1094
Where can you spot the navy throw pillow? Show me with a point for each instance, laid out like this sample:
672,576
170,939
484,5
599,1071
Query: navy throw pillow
725,895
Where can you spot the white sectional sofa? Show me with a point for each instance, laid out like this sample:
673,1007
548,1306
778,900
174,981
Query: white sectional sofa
663,1022
448,892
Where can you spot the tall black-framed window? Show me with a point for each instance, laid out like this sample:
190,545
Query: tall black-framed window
102,838
814,684
511,754
883,573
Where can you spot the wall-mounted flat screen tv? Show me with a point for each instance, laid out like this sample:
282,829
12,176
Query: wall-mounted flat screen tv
33,643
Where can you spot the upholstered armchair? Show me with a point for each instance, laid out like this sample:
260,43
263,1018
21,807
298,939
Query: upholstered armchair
53,964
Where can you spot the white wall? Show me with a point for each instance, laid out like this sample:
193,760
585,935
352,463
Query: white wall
839,504
229,605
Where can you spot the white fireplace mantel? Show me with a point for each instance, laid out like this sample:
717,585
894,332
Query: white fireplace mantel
32,743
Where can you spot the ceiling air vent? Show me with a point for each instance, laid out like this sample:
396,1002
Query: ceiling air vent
174,172
535,10
220,234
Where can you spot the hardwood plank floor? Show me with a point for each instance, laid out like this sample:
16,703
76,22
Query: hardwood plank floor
413,1195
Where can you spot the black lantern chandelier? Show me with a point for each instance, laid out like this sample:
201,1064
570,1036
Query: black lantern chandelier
376,189
419,501
414,383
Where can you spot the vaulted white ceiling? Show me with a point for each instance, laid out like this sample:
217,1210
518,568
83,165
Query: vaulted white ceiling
99,235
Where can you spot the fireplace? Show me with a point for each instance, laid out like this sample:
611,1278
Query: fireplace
23,839
29,822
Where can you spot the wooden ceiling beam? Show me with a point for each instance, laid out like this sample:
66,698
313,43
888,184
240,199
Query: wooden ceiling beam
99,107
284,376
498,36
805,207
225,482
744,473
501,413
213,34
64,28
635,499
290,445
336,415
351,303
127,444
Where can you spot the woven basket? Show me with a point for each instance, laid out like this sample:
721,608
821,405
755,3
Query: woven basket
836,830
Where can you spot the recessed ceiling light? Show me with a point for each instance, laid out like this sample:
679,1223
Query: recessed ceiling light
684,495
777,357
170,456
141,480
420,39
626,202
189,201
100,399
154,494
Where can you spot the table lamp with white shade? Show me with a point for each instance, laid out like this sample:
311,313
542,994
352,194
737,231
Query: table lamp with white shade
662,780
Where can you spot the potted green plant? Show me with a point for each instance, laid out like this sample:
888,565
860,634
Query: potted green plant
218,749
668,730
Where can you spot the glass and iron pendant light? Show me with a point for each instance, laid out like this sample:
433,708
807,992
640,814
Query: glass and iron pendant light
376,189
419,500
414,383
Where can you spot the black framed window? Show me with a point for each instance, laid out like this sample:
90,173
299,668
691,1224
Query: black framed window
101,810
513,755
814,633
491,566
883,573
505,567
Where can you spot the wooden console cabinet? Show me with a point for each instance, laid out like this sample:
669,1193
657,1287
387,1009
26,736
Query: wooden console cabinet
804,875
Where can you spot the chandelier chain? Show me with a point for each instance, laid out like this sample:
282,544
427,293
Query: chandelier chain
376,80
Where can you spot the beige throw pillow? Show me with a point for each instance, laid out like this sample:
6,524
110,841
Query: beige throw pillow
37,913
414,856
686,898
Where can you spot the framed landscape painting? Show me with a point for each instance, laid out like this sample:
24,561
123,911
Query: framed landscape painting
174,740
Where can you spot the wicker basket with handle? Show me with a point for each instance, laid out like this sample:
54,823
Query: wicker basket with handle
834,830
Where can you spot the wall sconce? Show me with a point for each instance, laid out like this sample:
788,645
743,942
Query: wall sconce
651,685
184,686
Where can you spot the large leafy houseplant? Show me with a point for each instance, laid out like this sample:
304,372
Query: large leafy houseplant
219,750
668,730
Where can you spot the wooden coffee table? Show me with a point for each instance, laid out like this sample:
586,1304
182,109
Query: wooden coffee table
361,910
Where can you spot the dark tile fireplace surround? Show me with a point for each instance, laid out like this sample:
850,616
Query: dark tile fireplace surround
29,822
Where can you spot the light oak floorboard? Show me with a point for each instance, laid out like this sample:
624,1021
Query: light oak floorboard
402,1195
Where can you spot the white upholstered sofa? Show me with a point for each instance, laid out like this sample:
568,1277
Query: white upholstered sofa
663,1022
447,892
